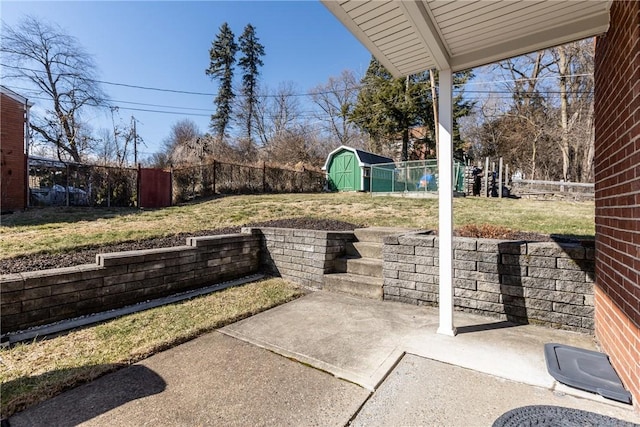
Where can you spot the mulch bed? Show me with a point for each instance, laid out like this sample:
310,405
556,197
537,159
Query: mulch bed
87,254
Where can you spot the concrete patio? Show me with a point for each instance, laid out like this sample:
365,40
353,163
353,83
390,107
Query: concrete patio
346,360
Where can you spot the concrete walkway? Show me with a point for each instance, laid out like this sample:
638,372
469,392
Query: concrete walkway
364,362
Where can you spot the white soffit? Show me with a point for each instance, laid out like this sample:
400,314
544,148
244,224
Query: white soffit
411,36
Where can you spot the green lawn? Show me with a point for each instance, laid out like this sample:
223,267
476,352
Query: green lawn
61,229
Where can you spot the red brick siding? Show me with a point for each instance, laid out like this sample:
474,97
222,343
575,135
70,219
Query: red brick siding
12,157
617,190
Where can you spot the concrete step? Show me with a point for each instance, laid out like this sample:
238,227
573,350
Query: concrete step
364,250
377,234
363,266
363,286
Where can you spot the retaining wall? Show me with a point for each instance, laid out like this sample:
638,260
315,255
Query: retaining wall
123,278
543,283
301,256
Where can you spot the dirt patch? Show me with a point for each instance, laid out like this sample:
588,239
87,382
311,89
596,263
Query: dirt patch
487,231
87,254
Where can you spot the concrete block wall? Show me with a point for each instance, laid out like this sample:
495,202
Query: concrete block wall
525,282
301,256
123,278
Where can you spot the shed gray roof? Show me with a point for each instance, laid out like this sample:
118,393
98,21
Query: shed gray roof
371,158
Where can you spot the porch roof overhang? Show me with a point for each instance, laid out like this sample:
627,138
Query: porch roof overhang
412,36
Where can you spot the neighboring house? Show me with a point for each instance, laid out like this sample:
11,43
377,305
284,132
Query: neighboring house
14,119
349,169
419,145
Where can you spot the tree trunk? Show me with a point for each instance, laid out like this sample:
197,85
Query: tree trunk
533,159
587,160
563,67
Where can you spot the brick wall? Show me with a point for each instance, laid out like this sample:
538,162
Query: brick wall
12,157
124,278
617,181
301,256
543,283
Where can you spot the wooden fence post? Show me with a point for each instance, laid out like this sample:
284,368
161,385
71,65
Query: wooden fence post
486,178
500,179
506,175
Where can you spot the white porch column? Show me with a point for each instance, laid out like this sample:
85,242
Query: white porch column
445,202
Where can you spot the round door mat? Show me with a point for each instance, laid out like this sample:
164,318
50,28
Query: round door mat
556,416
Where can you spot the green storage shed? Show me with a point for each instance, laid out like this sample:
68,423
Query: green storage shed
349,169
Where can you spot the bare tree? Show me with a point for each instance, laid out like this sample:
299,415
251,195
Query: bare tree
336,100
121,140
105,150
575,82
185,143
276,113
550,118
527,116
60,70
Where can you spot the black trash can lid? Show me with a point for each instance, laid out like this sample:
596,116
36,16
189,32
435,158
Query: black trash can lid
586,370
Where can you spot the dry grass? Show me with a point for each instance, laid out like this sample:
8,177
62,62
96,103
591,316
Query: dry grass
61,229
36,371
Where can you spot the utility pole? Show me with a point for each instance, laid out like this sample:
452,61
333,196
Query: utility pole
135,141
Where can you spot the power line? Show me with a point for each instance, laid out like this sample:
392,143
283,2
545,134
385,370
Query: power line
118,101
357,87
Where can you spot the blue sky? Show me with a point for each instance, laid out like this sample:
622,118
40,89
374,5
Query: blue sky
166,45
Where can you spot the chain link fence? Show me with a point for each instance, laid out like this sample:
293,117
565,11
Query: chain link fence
54,183
228,178
416,176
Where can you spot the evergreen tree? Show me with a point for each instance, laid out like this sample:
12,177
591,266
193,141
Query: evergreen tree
222,59
389,106
249,62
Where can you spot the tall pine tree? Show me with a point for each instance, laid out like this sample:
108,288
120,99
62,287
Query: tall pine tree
388,107
252,51
222,59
